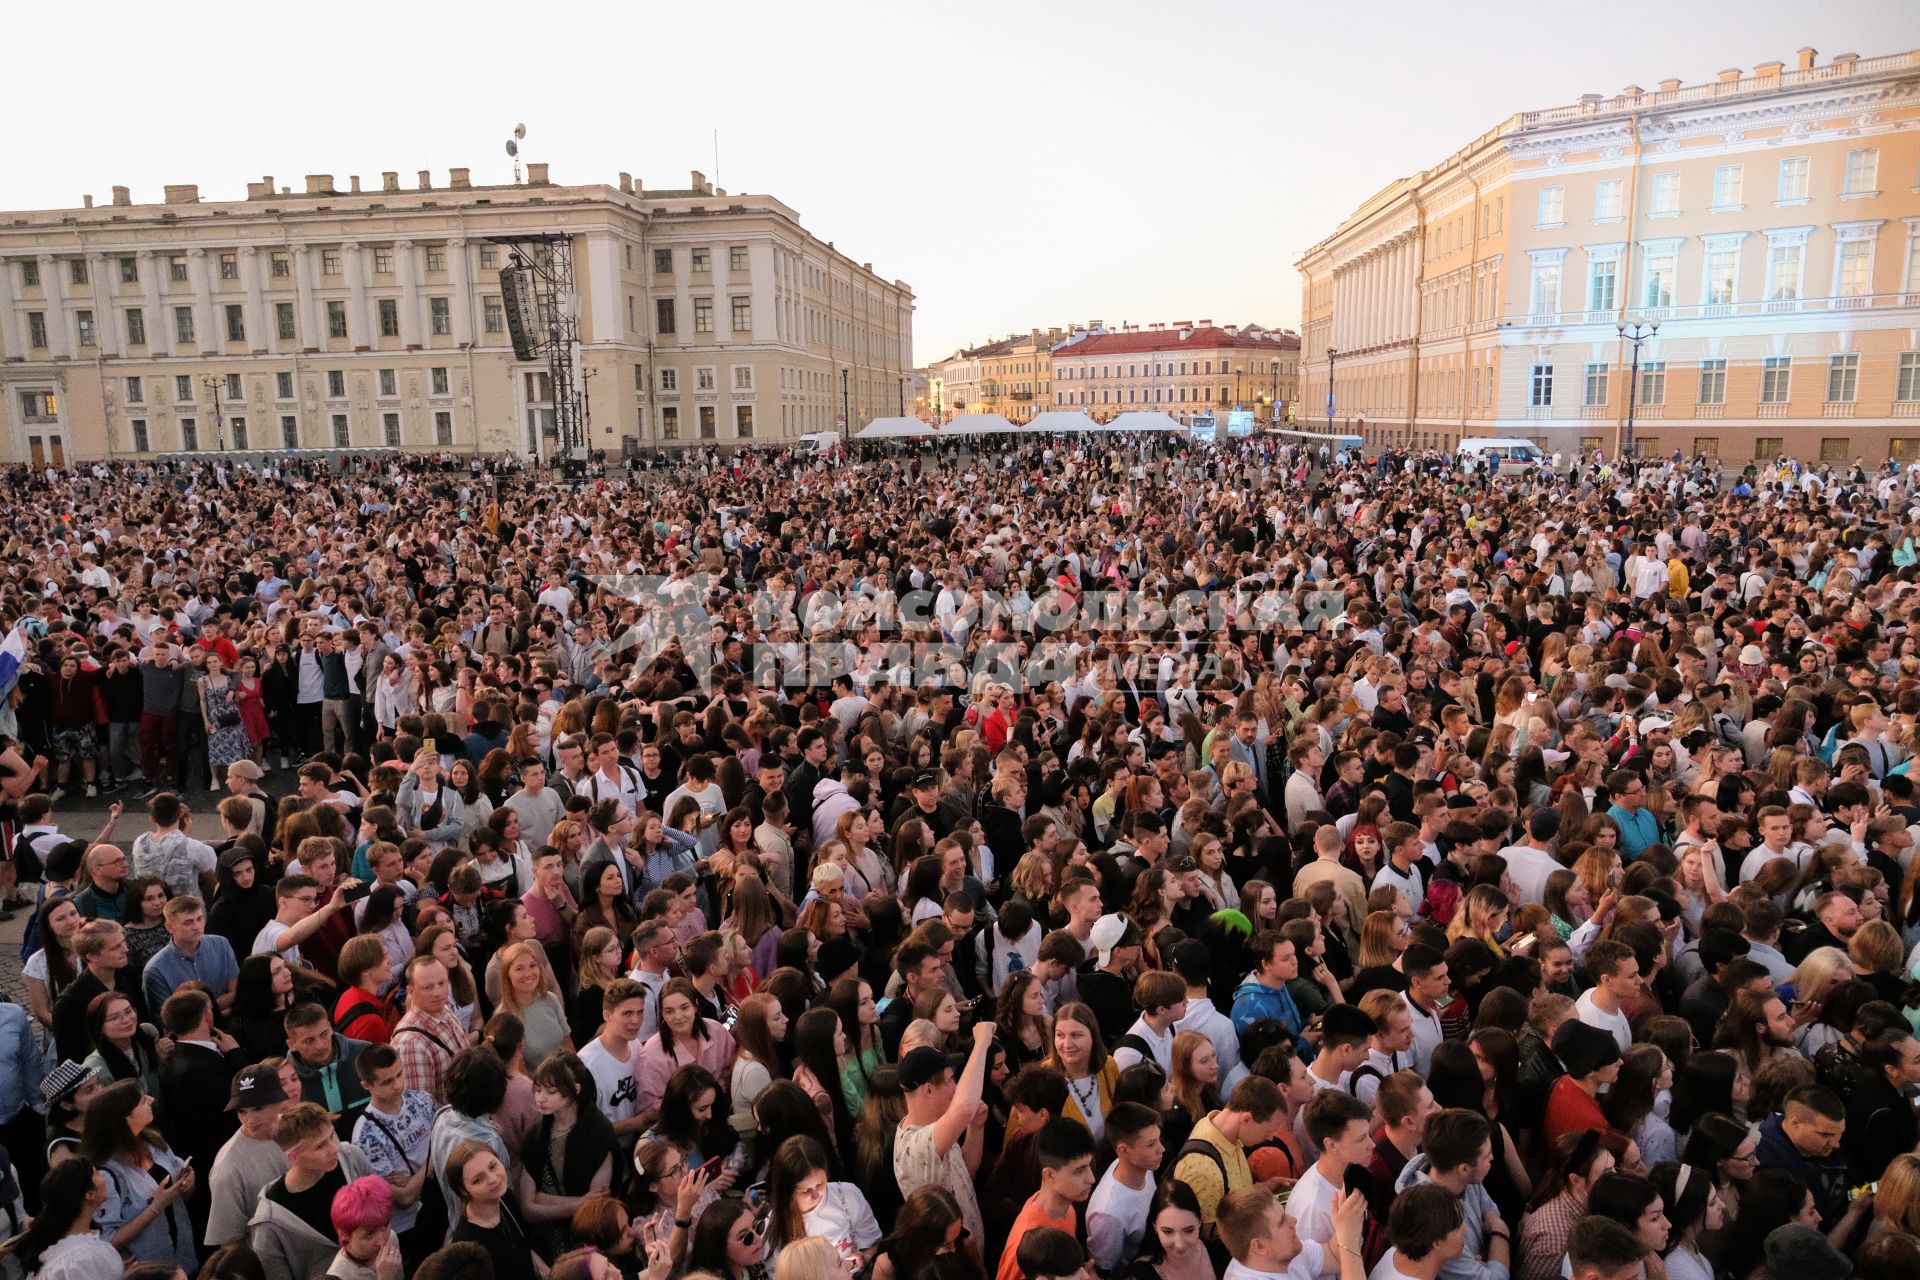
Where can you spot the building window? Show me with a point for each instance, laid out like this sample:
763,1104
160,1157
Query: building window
177,269
440,316
707,421
670,422
77,270
233,388
289,431
663,315
1767,448
182,388
1542,395
1596,384
342,434
640,378
1793,180
283,385
1653,382
663,262
1665,198
703,315
390,427
1903,448
336,383
1713,382
436,258
1728,182
189,435
1863,172
29,273
1601,284
1776,379
703,378
136,391
1843,378
129,271
737,259
743,315
703,259
280,266
1658,266
389,318
1553,207
236,323
1907,387
489,257
438,379
140,442
229,266
443,427
389,383
743,377
1834,449
83,320
383,260
1545,299
1854,278
669,379
36,329
493,317
1786,263
329,262
336,319
743,421
39,406
283,321
136,327
239,426
1723,267
183,324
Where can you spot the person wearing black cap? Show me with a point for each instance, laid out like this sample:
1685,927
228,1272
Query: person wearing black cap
1531,862
250,1160
939,1142
1592,1059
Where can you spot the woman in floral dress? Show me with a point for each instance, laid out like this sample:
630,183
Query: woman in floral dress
226,728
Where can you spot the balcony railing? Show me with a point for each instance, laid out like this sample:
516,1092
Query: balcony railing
1645,412
1837,409
1709,410
1906,408
1785,79
1595,411
1771,409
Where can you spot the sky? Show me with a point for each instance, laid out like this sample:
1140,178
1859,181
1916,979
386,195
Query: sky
1019,163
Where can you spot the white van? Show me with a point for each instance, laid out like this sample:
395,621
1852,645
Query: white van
1515,455
819,442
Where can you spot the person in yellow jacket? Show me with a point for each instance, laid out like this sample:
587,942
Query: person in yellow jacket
1080,1055
1679,581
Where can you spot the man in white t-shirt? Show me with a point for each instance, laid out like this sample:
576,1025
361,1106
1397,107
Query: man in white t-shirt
1339,1129
939,1143
1529,864
1616,979
1117,1211
298,914
609,1058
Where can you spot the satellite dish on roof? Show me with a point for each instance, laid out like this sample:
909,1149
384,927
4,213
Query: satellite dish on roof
513,148
519,131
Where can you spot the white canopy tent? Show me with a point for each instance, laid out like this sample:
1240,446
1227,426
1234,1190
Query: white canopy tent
895,429
1140,420
977,424
1059,420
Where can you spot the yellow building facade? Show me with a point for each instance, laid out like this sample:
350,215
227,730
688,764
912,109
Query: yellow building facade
1767,222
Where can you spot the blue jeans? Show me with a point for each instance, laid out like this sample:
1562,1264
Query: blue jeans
123,749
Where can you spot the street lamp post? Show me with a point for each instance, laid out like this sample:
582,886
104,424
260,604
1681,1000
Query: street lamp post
1636,331
1273,392
1331,354
846,416
212,383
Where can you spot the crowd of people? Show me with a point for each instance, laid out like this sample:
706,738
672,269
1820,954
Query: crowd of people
1128,858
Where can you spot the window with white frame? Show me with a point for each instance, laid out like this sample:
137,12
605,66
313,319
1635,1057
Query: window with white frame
1544,297
1853,272
1786,265
1728,182
1596,389
1542,386
1913,258
1721,278
342,431
703,379
283,385
1603,279
1664,197
1793,180
1776,379
1553,207
669,379
1843,378
443,426
1608,199
1653,382
1713,381
1657,268
743,377
1907,386
1863,172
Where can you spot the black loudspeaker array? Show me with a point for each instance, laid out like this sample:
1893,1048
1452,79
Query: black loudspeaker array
523,318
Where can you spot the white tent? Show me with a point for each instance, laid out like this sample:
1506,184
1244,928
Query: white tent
1060,420
895,429
1140,420
976,424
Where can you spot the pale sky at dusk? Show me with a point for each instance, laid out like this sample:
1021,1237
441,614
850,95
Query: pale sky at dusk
1018,162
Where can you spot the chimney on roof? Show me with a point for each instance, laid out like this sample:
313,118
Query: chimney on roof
426,179
353,184
1804,58
719,191
319,184
389,181
460,179
1205,323
697,180
86,202
537,175
260,190
1632,91
626,184
1844,63
122,196
182,193
1673,82
1730,76
1769,70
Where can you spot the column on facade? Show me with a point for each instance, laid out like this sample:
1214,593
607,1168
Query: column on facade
60,339
465,298
105,338
13,342
260,335
153,307
207,334
313,311
413,299
361,323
